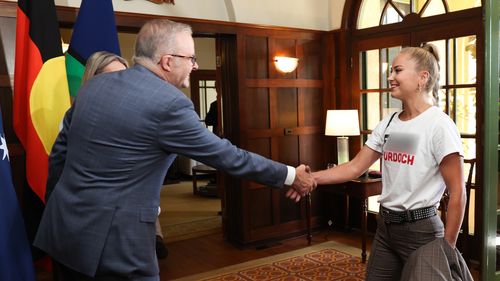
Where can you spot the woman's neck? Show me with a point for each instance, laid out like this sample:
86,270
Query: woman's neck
413,108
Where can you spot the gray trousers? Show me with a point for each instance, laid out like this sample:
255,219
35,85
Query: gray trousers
393,243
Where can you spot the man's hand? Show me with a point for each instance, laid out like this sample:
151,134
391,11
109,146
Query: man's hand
303,184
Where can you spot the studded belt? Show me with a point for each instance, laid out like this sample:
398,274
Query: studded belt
391,216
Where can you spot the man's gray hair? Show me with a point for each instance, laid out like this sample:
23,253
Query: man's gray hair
157,38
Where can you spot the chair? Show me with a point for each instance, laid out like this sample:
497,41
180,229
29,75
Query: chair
463,239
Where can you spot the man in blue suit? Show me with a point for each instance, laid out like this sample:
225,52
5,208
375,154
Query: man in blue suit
125,131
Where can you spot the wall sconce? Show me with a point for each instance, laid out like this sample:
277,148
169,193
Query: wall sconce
342,123
286,64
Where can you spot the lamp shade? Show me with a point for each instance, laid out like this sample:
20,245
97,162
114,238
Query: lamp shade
342,122
286,64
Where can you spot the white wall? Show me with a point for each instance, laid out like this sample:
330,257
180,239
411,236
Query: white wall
307,14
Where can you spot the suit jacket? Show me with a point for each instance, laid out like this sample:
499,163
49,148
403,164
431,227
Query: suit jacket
436,261
125,131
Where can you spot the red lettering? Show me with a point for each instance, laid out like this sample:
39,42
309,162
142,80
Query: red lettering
399,157
411,159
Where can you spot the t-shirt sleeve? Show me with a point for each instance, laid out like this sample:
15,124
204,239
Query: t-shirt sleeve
446,140
376,138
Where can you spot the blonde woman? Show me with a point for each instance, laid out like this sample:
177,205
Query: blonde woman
421,155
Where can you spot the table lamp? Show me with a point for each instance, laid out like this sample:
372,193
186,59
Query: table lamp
342,123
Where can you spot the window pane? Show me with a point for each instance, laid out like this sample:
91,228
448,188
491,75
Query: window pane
435,7
391,15
403,6
462,60
418,5
465,109
469,146
369,69
442,101
390,104
457,5
370,110
369,13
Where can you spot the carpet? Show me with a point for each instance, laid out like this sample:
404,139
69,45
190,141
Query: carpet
326,261
185,216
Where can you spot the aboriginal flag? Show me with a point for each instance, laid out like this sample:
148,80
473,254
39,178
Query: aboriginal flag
41,95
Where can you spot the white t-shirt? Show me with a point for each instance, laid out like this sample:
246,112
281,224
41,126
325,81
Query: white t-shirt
411,154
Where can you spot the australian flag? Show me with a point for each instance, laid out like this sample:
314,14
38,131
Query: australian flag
15,255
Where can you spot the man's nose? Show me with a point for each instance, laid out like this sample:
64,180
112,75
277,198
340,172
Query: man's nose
195,66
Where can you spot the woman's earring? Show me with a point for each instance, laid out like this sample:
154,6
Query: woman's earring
419,88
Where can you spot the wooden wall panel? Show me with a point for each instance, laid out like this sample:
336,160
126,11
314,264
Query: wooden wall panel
256,57
287,108
309,143
310,66
289,210
312,105
257,108
261,213
296,105
261,146
288,147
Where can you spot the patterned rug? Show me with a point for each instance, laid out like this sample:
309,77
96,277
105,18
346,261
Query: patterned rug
327,261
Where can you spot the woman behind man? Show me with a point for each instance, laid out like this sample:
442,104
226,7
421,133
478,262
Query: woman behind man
101,62
422,156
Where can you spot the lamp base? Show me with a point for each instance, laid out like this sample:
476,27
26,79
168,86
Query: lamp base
342,150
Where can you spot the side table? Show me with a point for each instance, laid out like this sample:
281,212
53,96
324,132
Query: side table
361,188
201,169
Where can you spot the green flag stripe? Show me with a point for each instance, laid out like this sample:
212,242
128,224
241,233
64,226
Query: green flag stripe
74,70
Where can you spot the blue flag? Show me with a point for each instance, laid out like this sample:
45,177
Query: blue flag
94,30
15,255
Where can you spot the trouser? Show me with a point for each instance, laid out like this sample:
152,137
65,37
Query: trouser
394,242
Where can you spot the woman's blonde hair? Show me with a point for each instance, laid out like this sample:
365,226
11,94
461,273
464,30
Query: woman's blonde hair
98,61
426,58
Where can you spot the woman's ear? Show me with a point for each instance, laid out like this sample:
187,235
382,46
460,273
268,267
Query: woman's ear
424,77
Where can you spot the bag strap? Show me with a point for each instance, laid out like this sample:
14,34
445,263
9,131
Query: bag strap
385,135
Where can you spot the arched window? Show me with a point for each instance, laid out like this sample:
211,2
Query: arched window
393,11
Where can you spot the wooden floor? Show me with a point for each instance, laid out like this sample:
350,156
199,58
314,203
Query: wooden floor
207,253
211,252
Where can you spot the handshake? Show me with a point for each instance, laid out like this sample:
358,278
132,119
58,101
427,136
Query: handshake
303,184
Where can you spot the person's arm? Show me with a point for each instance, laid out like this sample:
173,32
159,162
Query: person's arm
451,168
350,170
181,132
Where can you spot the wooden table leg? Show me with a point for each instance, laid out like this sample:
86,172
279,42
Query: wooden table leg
347,223
308,218
195,188
364,215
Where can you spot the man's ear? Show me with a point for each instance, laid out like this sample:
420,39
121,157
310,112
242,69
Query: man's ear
166,63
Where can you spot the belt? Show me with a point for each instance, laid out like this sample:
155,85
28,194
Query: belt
391,216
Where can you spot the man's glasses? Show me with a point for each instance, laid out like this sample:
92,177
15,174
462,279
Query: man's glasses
193,58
